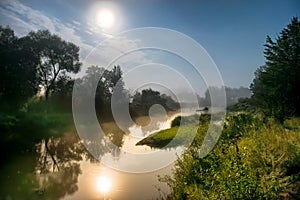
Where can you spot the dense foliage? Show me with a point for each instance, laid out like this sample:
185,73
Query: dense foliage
252,160
258,154
276,84
142,101
38,62
255,158
55,58
36,89
18,78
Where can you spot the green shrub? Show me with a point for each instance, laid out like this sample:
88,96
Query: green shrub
193,119
176,121
38,120
252,160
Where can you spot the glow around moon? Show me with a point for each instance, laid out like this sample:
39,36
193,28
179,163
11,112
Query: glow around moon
105,18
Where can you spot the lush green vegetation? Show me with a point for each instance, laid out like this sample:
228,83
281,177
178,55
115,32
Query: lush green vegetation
253,159
35,93
182,132
22,129
36,90
276,85
256,157
258,153
142,102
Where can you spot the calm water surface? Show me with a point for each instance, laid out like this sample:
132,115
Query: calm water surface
63,169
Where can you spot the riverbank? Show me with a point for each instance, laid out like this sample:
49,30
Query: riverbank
179,136
255,158
65,169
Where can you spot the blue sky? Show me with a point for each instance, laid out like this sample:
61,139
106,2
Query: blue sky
232,32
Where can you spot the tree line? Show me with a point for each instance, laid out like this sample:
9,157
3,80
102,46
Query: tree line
256,157
232,95
275,88
276,85
40,64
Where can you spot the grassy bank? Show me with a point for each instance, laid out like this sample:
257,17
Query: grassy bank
181,132
255,158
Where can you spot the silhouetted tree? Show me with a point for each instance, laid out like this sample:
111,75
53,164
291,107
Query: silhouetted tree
106,81
142,101
276,85
61,92
55,56
18,80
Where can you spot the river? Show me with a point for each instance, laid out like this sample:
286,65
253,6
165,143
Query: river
63,169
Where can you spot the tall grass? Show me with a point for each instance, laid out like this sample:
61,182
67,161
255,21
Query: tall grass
252,160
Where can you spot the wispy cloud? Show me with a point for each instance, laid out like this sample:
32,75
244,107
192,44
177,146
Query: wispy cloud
77,23
23,19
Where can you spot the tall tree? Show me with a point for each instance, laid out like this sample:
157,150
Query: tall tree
276,85
142,101
106,81
18,78
56,58
94,75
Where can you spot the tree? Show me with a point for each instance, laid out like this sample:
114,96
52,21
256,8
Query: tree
276,85
142,101
55,56
94,75
18,78
147,98
170,103
106,81
112,77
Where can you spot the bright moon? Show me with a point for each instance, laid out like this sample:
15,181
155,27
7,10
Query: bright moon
105,18
104,184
